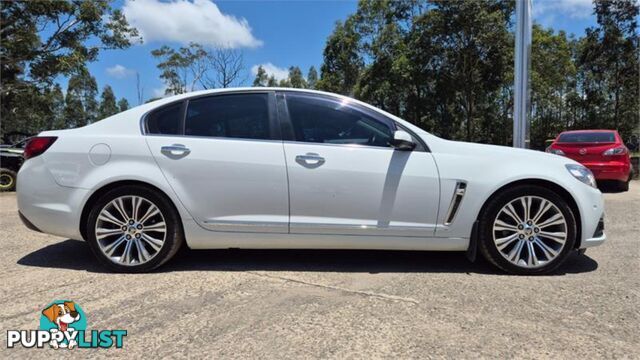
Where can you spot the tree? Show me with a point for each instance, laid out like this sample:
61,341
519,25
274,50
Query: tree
272,82
552,70
261,77
123,105
284,83
312,77
227,66
183,69
296,79
108,105
342,60
30,58
56,108
81,107
608,67
443,65
189,68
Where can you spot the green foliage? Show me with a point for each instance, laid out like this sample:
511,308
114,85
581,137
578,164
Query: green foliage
175,66
272,82
342,59
123,105
312,77
193,66
296,79
30,57
447,66
56,102
108,105
81,105
261,77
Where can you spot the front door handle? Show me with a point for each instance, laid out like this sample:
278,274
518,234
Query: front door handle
311,160
175,151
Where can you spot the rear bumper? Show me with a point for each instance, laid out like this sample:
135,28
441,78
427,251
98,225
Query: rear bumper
610,171
46,206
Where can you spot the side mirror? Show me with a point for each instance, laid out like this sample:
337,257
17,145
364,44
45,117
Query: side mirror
402,141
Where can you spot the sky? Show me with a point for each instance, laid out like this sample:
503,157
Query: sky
275,34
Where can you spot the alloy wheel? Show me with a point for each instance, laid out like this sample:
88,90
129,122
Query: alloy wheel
130,230
530,231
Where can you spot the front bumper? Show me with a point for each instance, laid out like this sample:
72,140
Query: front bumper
598,236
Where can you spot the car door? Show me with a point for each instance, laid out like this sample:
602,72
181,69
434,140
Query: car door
345,178
223,156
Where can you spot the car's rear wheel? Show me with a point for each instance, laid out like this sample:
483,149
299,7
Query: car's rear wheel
527,230
7,180
133,229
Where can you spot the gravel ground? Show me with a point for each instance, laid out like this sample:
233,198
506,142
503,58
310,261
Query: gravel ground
334,304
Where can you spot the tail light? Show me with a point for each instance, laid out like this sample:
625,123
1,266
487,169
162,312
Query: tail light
621,150
38,145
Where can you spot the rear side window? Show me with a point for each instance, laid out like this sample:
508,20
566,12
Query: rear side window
232,116
587,137
331,121
166,120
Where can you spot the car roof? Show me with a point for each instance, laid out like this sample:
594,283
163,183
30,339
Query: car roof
130,120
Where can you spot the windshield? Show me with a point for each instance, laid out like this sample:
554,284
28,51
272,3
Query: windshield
587,137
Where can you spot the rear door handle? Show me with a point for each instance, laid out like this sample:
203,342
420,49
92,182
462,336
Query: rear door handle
310,160
175,150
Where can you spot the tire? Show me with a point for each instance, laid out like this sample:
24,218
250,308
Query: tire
7,180
149,242
549,253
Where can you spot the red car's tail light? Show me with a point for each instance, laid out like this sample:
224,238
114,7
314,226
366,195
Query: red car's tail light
37,145
621,150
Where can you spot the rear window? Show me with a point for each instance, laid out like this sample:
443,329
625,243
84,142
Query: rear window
587,137
166,120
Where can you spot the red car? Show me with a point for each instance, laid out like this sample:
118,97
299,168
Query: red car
602,151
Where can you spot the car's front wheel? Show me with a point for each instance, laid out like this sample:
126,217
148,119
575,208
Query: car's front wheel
527,230
133,229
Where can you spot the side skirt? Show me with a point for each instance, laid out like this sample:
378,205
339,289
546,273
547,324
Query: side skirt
200,238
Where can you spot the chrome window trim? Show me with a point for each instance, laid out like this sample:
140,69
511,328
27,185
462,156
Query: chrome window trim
355,146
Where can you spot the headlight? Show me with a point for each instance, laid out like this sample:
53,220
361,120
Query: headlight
582,173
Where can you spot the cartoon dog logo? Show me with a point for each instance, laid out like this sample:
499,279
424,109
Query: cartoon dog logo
62,315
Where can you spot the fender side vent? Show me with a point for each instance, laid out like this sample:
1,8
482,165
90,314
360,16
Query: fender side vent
458,194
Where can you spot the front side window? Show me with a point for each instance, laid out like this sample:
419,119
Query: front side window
232,116
166,120
332,121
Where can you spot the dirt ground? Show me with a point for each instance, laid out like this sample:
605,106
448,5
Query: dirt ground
333,304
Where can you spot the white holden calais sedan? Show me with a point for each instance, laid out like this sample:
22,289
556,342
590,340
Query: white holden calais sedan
275,168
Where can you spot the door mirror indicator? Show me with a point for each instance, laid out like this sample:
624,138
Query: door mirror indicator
402,141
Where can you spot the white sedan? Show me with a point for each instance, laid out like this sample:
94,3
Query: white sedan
275,168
